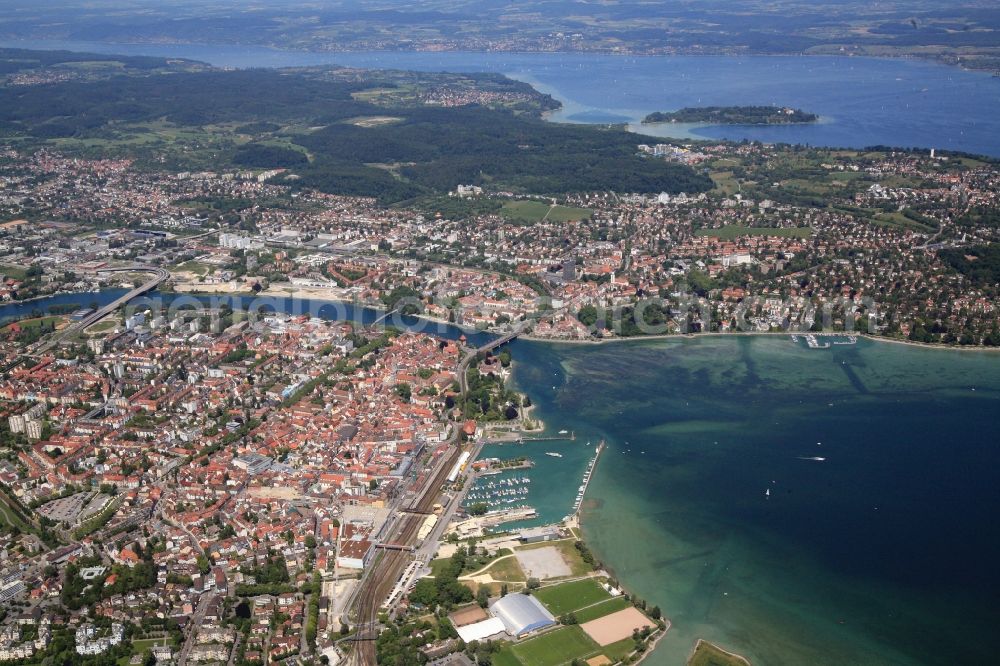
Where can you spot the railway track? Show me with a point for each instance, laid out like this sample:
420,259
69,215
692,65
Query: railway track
387,569
389,566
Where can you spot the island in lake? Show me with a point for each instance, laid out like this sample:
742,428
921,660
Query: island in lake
733,115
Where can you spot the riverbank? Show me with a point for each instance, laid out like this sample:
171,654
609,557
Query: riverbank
693,336
328,296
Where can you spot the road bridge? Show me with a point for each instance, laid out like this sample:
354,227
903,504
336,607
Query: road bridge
160,275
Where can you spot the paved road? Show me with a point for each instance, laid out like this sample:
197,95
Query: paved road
160,275
196,620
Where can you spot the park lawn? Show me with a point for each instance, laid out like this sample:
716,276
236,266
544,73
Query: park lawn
600,609
619,650
706,654
439,565
572,596
141,644
507,570
556,647
731,231
536,211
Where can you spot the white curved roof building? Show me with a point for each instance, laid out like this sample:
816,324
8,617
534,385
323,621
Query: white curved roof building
521,613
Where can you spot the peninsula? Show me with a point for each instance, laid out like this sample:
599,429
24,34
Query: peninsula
733,115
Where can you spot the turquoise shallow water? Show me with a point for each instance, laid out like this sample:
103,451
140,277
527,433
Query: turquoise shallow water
884,552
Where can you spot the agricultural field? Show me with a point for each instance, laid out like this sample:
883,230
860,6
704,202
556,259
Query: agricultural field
725,182
14,272
573,596
536,211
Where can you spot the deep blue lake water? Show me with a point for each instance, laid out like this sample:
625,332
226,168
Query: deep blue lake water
862,101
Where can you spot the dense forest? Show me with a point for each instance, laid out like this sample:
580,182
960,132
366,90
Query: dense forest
979,263
20,60
442,148
425,150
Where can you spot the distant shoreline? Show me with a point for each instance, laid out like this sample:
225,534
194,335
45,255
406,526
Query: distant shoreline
84,44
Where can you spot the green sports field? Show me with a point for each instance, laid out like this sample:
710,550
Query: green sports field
557,647
600,609
567,597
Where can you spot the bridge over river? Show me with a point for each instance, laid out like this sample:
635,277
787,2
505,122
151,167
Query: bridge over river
160,275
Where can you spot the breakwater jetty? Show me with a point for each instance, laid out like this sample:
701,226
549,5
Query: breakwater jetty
587,476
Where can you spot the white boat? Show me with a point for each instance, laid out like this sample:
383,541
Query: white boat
816,458
767,493
564,432
554,455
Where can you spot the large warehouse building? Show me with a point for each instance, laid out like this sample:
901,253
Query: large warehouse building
521,614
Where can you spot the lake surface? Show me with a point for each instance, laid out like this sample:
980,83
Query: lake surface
798,506
862,101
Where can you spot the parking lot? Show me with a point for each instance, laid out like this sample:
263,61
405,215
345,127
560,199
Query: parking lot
65,509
